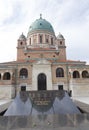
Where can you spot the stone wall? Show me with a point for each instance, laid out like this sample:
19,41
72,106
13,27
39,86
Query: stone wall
46,122
6,92
42,68
79,88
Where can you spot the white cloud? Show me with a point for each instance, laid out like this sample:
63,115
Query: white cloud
70,17
5,10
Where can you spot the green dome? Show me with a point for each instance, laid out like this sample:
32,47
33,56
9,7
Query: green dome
41,25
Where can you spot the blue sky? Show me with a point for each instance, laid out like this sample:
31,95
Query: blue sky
69,17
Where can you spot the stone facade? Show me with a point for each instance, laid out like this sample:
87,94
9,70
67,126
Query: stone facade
42,65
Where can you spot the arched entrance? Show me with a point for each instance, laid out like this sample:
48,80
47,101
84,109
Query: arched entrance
41,81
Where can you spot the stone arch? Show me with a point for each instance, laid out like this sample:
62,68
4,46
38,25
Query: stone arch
76,74
6,76
0,76
23,73
42,81
59,72
85,74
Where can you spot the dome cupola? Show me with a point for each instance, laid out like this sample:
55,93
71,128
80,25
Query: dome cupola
60,36
41,25
22,37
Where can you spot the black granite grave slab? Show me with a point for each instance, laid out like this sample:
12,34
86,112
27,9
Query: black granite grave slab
43,111
43,102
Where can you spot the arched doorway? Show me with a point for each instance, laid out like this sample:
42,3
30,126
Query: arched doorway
41,82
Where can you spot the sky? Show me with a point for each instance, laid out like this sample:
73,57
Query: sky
69,17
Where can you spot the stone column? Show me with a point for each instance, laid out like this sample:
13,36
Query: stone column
80,72
2,76
43,38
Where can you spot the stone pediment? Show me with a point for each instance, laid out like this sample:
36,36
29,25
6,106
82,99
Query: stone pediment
42,61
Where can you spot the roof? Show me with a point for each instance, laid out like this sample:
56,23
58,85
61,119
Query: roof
69,62
22,37
41,25
60,36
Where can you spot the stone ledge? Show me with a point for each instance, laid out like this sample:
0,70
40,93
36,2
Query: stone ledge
50,122
83,106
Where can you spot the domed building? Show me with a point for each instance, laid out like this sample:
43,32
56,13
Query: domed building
42,65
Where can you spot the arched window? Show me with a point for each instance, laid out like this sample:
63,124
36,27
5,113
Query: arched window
85,74
23,73
6,76
60,42
0,76
59,72
47,40
42,85
21,43
41,38
76,74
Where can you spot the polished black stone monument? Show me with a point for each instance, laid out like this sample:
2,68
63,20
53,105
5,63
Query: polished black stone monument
43,110
42,103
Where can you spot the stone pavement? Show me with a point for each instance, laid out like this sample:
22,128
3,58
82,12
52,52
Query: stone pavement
45,122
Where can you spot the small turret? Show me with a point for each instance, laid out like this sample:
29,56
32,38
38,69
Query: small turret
22,37
22,41
60,36
60,41
21,45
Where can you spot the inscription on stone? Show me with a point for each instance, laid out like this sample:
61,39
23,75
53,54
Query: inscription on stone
42,102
